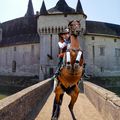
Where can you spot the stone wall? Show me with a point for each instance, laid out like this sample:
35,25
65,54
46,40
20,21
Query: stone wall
102,55
21,60
57,22
22,105
106,102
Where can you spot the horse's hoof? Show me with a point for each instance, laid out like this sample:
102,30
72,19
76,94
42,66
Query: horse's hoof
68,66
76,65
54,118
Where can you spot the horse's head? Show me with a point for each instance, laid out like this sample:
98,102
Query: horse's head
74,27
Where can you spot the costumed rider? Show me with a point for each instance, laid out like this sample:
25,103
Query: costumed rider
64,44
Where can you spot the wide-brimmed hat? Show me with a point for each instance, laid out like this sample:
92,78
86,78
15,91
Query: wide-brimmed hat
64,31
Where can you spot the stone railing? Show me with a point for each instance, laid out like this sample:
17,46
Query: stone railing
106,102
24,104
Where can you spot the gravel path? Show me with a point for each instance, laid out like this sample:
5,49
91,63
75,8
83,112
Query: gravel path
83,109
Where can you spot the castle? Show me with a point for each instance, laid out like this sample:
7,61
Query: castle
28,45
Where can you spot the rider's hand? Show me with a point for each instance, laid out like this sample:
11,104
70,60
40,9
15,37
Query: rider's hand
67,41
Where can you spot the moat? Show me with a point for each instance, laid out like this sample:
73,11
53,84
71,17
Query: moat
8,90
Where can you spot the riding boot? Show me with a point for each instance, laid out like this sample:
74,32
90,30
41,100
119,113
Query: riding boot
59,66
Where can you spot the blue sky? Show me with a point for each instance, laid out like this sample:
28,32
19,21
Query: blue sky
96,10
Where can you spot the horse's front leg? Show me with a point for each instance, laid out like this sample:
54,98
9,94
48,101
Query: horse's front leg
57,102
74,96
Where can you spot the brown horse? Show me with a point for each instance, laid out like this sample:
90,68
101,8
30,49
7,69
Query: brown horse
71,72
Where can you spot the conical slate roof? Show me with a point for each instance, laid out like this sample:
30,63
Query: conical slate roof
43,10
30,10
61,7
79,7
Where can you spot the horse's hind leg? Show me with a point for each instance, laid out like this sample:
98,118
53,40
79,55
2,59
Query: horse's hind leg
74,96
56,110
57,102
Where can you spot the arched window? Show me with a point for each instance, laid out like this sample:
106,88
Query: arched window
45,30
58,29
62,29
42,30
14,66
14,48
48,29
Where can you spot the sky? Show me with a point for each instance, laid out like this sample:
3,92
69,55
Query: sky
96,10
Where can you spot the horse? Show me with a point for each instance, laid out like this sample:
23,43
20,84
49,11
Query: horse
70,73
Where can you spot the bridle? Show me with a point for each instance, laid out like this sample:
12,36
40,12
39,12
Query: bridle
74,27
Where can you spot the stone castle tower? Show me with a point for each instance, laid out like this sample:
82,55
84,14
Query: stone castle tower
50,23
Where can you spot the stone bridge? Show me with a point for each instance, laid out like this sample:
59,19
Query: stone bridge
35,103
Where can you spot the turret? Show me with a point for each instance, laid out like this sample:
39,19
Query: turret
43,10
30,10
61,7
79,8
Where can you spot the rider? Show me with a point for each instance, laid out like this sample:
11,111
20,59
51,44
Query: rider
64,43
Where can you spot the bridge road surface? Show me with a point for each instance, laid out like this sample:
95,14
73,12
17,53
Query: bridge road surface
83,109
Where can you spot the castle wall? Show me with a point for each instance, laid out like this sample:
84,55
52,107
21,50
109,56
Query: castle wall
48,55
56,23
48,29
20,60
101,52
102,55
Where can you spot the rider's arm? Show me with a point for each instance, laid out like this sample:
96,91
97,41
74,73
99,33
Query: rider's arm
62,45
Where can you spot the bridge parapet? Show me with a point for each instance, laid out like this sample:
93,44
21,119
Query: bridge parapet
20,106
106,102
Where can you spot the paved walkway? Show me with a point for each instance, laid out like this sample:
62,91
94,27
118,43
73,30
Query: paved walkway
83,109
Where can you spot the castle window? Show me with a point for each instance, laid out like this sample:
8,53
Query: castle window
102,69
58,29
42,30
32,47
45,30
102,50
93,38
14,48
65,15
115,40
14,66
49,30
117,52
51,72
